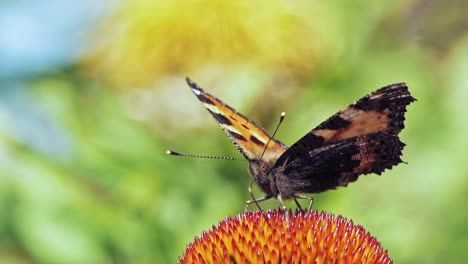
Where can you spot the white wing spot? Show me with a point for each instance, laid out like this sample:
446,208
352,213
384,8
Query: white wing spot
232,129
196,91
258,136
212,108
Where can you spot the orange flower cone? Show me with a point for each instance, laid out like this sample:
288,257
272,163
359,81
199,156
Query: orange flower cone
264,237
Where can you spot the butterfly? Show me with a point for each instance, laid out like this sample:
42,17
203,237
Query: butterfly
360,139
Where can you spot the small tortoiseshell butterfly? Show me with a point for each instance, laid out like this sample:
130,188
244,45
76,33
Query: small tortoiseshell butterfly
360,139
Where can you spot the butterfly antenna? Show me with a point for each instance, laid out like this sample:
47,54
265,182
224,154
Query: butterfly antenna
283,114
173,153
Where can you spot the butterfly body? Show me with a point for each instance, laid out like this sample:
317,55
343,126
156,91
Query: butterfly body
360,139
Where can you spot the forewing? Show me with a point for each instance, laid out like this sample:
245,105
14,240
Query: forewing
381,111
338,163
246,136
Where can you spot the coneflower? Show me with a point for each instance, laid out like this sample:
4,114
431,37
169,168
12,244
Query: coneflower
264,237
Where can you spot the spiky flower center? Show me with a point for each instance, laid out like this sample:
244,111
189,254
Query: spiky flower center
263,237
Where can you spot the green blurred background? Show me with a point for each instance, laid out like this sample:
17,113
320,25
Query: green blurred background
93,94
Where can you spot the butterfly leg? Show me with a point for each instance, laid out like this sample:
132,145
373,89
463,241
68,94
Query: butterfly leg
283,207
298,204
305,197
256,201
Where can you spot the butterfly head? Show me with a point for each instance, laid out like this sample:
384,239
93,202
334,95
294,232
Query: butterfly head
261,168
260,171
257,168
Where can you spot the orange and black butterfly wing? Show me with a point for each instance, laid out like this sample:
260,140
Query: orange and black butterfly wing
360,139
381,111
338,163
246,136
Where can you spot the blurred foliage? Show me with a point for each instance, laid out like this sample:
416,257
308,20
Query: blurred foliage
170,37
84,177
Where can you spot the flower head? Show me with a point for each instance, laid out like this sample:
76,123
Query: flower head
311,237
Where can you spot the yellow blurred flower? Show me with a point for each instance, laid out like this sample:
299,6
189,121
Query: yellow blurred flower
311,237
146,40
